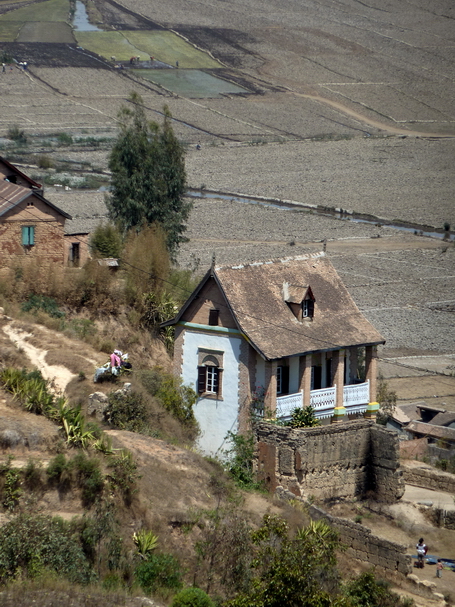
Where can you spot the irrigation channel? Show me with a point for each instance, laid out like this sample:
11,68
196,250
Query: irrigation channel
342,214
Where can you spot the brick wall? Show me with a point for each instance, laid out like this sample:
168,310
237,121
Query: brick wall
342,460
48,234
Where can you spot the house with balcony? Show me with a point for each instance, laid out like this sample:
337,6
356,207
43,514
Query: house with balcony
272,336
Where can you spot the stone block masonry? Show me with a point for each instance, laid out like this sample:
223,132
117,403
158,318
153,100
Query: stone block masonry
343,461
429,478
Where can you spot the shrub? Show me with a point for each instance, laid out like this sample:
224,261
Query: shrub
127,411
44,303
44,162
239,460
56,469
192,597
11,489
303,417
123,475
160,571
33,477
88,477
106,241
178,399
16,134
64,139
32,543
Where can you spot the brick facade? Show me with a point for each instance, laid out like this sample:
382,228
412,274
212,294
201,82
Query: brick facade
48,226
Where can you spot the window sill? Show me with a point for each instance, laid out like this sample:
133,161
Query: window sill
210,396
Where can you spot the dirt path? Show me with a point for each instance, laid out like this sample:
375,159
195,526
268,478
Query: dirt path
59,375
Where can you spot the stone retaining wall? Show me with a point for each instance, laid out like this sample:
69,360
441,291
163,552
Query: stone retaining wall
343,460
360,543
428,478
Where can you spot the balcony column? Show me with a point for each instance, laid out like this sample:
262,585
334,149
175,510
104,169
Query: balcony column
270,385
371,373
305,378
338,381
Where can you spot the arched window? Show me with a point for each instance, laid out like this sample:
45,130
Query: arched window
209,374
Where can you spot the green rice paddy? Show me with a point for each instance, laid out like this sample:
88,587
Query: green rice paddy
42,31
170,48
191,83
50,10
110,44
9,30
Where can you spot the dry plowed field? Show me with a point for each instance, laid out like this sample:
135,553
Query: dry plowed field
348,105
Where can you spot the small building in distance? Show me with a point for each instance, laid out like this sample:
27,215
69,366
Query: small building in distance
31,227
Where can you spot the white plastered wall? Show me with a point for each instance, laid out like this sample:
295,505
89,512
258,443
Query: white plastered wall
215,416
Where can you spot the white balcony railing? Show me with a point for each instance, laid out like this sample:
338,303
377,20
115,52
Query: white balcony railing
285,405
355,399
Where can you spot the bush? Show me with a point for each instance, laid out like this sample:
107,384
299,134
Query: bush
127,411
44,303
64,139
171,393
106,241
123,475
160,571
44,162
88,477
192,597
55,468
32,543
16,134
303,417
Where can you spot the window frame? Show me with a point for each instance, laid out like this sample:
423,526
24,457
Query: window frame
28,236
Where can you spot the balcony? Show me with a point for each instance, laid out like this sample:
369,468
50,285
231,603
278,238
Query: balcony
355,399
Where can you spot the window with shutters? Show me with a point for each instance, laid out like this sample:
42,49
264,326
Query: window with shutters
210,370
28,236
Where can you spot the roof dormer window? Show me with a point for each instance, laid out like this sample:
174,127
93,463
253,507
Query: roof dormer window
300,300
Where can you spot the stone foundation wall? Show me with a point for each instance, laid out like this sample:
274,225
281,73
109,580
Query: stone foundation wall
342,460
429,478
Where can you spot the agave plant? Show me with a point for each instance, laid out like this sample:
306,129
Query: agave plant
146,542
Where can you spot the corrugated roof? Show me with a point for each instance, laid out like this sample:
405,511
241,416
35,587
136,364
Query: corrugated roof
12,194
443,419
431,430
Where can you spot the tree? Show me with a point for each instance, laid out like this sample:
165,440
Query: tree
106,241
299,571
148,175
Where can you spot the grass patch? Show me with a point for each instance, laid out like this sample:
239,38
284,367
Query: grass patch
109,44
9,30
169,48
50,10
44,31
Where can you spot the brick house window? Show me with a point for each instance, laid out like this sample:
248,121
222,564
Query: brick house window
28,236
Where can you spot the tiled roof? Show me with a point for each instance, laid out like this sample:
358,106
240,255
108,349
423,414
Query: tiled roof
255,293
87,209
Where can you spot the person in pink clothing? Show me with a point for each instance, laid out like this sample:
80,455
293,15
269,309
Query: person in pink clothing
116,361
